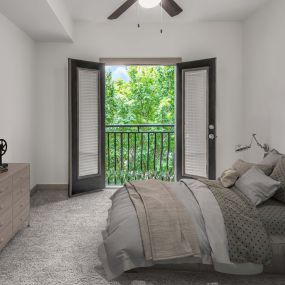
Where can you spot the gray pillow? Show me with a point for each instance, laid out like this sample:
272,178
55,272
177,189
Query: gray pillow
279,175
257,186
242,167
272,158
229,177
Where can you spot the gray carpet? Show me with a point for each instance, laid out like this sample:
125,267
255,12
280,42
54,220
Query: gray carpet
60,247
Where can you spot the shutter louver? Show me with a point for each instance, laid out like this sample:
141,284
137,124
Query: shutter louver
88,108
195,122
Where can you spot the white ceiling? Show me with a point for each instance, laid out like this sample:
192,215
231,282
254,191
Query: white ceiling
194,10
52,20
42,20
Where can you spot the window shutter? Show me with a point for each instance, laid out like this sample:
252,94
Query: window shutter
88,93
195,122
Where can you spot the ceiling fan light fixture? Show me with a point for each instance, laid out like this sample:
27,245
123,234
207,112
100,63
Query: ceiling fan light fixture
149,3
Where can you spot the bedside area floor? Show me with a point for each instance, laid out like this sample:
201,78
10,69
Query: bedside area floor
61,245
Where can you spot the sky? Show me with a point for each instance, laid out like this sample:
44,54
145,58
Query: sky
118,72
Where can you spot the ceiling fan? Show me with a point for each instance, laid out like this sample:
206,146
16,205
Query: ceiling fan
170,6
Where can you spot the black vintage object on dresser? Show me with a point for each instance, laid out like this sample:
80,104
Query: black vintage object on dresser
3,150
14,201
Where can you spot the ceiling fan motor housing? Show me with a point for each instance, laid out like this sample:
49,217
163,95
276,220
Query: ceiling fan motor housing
170,6
149,3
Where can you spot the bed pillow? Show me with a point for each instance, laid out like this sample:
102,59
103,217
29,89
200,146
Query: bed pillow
229,177
257,186
272,158
279,175
242,167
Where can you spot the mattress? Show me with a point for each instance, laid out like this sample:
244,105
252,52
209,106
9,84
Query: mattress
277,265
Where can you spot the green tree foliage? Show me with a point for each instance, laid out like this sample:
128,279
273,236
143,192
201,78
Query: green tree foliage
148,97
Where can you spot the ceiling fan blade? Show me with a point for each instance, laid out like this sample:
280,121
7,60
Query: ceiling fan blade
171,7
122,9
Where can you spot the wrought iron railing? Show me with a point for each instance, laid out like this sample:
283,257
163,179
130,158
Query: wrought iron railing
141,151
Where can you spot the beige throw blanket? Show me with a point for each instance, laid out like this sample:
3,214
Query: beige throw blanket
166,228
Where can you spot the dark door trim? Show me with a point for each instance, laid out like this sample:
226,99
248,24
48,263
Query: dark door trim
80,185
210,64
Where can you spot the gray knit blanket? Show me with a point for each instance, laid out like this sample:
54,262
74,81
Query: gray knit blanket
247,237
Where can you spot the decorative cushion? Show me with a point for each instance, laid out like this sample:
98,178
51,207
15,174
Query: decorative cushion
279,175
257,186
272,158
242,167
229,178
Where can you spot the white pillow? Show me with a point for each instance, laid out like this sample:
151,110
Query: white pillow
257,186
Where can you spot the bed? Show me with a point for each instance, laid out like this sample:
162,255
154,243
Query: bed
123,247
272,214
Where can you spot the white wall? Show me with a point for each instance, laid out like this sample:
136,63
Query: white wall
264,76
92,41
17,93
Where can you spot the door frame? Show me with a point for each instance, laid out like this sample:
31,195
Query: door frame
210,64
164,61
73,65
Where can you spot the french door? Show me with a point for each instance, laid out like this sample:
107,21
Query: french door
195,123
196,119
86,126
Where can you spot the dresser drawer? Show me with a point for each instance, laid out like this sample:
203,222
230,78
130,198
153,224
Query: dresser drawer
21,220
14,201
6,219
21,205
5,203
5,235
21,184
5,187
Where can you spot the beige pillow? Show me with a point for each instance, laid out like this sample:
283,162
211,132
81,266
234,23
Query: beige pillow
229,178
242,167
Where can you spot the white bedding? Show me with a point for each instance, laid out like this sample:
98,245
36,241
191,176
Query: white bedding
122,248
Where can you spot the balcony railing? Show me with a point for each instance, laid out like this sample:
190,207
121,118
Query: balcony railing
139,152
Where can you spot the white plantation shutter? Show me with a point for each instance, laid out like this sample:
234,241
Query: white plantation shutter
195,122
88,109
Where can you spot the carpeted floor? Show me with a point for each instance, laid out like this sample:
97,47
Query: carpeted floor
60,247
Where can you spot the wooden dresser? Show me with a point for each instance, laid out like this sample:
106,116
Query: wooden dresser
14,201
